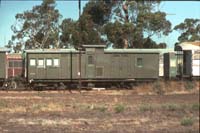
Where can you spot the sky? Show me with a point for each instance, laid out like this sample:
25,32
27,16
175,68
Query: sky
177,12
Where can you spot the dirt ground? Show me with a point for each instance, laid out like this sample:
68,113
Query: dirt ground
110,111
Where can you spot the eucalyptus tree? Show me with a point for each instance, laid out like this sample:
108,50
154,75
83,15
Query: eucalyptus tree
38,27
124,23
139,21
88,28
189,29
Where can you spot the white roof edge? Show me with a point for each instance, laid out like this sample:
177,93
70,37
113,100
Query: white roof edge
140,50
4,50
189,46
50,50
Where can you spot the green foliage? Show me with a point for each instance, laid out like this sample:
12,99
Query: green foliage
37,107
117,33
81,32
175,107
100,108
171,107
125,24
155,22
87,30
99,11
121,23
36,28
145,107
196,107
189,29
187,121
142,19
119,108
149,43
3,104
157,88
189,85
69,33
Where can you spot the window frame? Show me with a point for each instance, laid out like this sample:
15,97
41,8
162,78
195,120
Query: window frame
49,59
11,64
41,66
18,64
58,65
90,60
139,62
32,59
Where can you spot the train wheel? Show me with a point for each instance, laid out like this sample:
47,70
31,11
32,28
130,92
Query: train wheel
13,85
131,85
61,86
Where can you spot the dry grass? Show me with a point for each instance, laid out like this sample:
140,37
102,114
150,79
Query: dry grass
168,87
187,121
33,108
97,111
43,107
13,110
43,122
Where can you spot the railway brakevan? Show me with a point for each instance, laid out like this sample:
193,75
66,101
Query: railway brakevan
98,66
94,66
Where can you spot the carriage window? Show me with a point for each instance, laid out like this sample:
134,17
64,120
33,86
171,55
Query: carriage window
32,62
40,62
20,64
11,63
139,62
56,62
49,62
15,64
90,60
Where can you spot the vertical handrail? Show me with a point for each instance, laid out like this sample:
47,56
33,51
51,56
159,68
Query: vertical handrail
79,73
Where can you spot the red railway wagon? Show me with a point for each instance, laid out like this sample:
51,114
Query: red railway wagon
14,65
